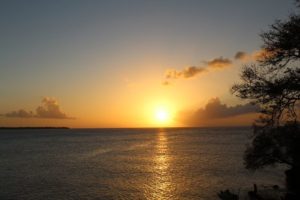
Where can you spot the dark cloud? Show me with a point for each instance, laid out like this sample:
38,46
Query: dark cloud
215,109
240,55
219,63
48,109
19,113
214,112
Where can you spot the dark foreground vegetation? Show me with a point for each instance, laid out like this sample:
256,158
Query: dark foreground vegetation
273,83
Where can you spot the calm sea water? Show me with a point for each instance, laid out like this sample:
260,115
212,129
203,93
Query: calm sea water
125,163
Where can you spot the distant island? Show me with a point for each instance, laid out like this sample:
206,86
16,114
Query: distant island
29,127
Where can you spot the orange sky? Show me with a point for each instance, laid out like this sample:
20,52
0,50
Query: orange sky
102,64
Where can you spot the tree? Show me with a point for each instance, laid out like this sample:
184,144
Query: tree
273,83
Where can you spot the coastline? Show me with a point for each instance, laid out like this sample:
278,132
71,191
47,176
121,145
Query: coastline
29,127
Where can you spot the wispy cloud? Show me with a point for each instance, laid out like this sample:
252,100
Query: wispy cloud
49,108
219,63
185,73
216,63
192,71
254,56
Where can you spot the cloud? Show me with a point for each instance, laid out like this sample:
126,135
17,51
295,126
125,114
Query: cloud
215,109
262,55
216,63
219,63
185,73
19,113
216,112
192,71
240,55
166,83
258,55
49,108
249,57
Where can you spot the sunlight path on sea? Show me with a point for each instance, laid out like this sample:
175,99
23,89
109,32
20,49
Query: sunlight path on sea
162,186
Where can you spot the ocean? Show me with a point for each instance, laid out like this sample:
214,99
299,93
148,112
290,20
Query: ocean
172,163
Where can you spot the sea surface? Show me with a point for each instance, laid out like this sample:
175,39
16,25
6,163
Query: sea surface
193,163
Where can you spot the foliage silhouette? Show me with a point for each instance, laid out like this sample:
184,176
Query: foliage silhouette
227,195
273,83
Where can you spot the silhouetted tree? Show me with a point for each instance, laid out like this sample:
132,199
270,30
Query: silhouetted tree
273,83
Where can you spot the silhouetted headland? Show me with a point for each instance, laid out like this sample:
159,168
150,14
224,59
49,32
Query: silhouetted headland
29,127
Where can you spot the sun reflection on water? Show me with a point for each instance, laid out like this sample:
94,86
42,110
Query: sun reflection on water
162,186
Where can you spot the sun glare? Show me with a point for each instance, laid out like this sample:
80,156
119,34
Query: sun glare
162,115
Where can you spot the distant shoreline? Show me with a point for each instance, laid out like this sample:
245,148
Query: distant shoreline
63,127
29,127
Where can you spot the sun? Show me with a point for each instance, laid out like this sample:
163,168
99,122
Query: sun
162,115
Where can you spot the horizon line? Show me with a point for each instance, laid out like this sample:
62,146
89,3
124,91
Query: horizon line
169,127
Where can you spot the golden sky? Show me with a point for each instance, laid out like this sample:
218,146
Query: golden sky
143,64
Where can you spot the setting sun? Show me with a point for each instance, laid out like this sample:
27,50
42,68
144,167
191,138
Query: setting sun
162,115
142,99
161,112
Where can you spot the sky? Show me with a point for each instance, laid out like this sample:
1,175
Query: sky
129,63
